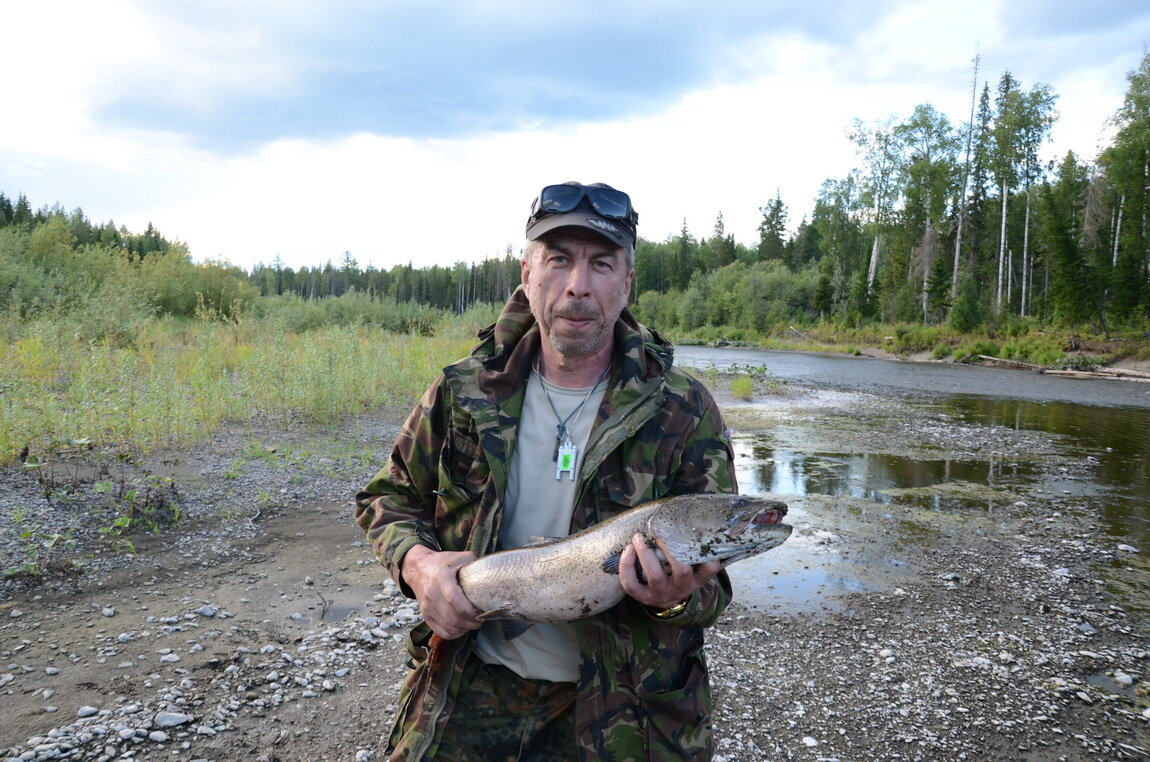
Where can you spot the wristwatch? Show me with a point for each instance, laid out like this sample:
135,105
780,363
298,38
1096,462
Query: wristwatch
672,611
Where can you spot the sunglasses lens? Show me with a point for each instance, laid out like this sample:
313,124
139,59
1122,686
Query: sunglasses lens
556,199
610,203
607,202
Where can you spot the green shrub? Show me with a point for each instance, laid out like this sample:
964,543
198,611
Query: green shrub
971,349
742,387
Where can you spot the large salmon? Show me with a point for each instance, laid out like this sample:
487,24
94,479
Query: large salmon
569,578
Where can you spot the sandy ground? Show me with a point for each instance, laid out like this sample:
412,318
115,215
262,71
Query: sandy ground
263,629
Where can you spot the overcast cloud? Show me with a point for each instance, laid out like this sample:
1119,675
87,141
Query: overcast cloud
419,131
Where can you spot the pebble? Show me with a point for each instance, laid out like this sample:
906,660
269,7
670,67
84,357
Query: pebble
318,662
171,719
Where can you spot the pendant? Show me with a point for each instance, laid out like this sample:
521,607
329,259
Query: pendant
567,456
560,435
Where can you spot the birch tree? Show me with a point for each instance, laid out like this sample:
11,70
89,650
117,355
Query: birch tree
929,146
879,150
1127,165
1022,124
1004,167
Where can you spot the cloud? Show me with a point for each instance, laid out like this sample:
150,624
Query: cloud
234,76
417,131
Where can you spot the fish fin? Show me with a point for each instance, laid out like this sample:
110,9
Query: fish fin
611,566
510,629
497,613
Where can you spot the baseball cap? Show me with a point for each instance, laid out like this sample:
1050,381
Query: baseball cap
597,207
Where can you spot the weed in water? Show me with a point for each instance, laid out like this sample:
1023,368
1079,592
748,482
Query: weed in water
743,387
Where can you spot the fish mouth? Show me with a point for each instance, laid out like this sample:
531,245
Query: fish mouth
772,513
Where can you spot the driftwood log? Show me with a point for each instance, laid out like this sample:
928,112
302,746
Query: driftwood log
1127,374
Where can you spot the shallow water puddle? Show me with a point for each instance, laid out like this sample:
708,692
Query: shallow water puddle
950,463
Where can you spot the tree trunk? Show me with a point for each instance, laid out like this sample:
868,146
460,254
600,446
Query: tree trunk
929,249
965,182
873,269
1117,232
1001,253
1026,258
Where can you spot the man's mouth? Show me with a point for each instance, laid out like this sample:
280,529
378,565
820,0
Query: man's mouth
577,320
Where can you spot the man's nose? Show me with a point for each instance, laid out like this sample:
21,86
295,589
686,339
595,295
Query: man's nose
579,279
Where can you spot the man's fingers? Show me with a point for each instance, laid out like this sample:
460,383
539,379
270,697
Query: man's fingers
666,581
433,577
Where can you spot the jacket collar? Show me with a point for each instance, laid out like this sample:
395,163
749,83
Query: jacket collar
500,364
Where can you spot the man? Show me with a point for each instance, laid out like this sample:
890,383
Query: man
566,413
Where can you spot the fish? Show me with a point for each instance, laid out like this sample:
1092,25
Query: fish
575,577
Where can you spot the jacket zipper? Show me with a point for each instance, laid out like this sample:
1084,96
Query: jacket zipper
610,425
440,705
440,702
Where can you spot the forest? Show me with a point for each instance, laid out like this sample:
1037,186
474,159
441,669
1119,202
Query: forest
959,226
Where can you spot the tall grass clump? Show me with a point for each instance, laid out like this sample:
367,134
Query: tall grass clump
178,380
292,313
742,387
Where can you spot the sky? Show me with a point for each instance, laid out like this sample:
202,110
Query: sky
419,131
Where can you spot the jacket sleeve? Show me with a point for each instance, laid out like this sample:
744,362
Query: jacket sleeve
397,507
707,465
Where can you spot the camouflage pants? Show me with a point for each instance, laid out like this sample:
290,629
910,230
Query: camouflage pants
502,716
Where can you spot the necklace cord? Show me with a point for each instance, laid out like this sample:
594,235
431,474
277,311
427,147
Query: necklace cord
561,427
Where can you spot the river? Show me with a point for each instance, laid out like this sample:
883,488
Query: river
1100,428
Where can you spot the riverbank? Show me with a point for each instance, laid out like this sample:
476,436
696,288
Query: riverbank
264,629
1125,363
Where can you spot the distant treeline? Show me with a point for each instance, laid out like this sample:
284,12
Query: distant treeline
940,224
55,263
447,288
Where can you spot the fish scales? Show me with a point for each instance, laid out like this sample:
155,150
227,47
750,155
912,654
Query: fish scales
561,580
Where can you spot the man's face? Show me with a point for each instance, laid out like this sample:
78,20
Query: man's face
577,285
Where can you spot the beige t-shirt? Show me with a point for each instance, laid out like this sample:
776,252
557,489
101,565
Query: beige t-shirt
539,505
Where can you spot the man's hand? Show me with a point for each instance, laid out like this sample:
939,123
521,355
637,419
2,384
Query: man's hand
431,575
668,584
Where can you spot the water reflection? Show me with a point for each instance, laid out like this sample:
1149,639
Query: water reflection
1109,449
1105,466
874,476
1114,441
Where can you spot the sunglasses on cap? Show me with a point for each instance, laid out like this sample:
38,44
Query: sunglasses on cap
607,202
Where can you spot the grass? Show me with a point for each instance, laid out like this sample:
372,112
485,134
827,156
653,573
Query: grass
169,382
742,387
179,380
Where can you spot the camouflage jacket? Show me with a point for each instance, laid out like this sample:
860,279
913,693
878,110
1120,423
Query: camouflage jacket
643,690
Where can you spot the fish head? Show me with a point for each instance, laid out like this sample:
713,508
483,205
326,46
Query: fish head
709,527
